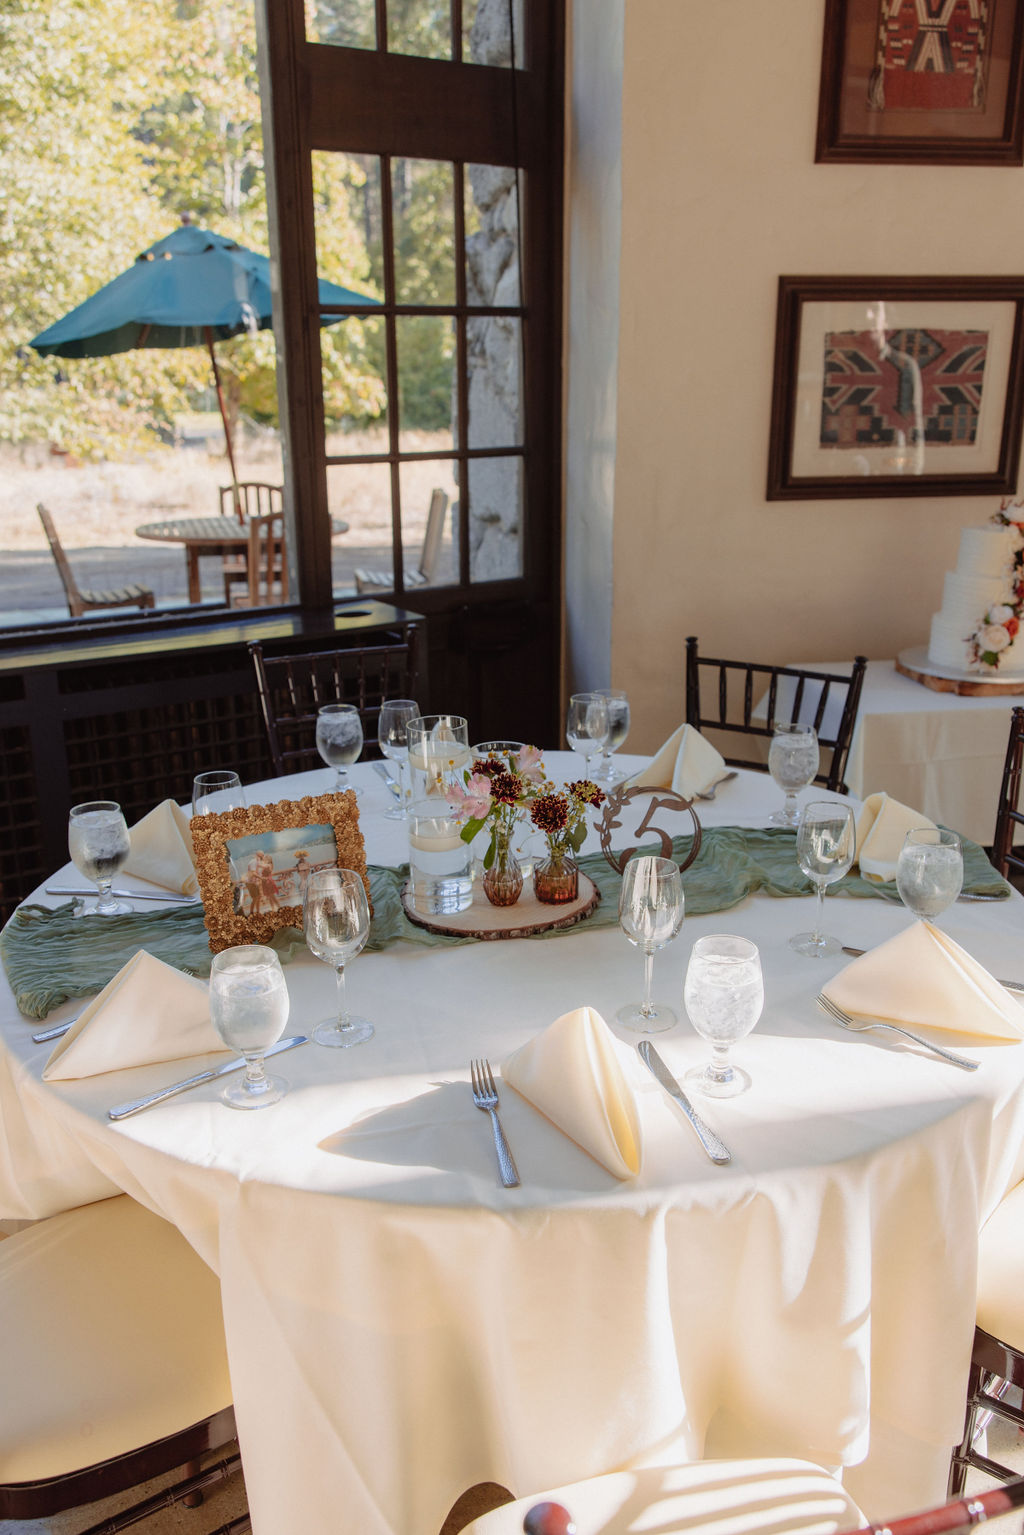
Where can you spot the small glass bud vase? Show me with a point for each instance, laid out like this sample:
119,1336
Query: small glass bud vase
503,881
556,879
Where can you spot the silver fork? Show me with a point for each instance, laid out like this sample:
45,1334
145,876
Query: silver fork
485,1096
858,1028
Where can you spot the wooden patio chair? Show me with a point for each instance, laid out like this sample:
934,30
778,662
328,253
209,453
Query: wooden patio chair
1008,814
266,563
417,575
292,689
80,601
246,499
748,698
113,1347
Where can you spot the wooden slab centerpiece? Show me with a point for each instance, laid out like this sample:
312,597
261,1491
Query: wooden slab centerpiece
528,915
944,679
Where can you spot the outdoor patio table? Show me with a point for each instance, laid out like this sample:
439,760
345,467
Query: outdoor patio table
400,1326
205,536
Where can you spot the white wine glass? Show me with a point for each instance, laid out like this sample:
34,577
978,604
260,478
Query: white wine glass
793,760
339,740
336,922
249,1009
618,729
826,840
99,845
586,726
393,740
651,907
217,791
929,871
724,998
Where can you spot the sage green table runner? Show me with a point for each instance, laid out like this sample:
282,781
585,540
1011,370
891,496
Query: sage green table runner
50,956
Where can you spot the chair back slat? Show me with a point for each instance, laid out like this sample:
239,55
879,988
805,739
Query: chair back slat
292,689
779,694
1008,814
71,592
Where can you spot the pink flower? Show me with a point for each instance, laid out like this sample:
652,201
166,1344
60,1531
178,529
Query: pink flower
474,801
530,765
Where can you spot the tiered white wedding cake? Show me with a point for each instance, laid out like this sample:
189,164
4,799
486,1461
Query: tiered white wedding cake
978,628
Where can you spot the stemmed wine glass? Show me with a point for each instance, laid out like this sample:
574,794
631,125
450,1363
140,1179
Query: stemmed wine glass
826,840
724,996
249,1009
587,725
99,846
217,791
618,729
793,759
393,739
650,914
339,740
336,922
929,871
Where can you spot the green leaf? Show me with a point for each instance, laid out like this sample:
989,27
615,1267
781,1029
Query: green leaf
577,837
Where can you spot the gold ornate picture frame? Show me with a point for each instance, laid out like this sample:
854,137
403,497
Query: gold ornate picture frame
253,863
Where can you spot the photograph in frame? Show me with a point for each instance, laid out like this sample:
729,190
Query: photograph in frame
906,82
896,386
253,863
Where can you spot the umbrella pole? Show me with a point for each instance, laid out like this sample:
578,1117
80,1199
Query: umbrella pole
224,418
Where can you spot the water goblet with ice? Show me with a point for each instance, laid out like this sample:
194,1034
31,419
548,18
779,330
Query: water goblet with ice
724,997
793,760
929,871
99,846
249,1009
339,740
618,729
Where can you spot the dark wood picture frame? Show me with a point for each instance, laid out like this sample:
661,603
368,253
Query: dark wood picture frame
852,129
806,464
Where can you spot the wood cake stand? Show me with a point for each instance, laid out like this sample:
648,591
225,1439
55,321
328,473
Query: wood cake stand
943,679
528,915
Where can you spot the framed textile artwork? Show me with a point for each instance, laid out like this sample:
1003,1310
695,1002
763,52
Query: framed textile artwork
922,81
253,862
896,386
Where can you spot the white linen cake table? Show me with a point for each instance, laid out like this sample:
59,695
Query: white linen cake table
400,1326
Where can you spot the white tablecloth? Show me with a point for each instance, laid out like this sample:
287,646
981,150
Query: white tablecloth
940,753
400,1326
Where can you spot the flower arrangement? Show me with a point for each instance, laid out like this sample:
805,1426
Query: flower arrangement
497,791
562,817
1000,624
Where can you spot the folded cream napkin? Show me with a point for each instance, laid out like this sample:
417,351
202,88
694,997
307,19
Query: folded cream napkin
882,826
148,1012
162,849
572,1073
687,763
922,977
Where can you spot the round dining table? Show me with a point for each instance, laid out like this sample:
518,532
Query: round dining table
207,536
401,1326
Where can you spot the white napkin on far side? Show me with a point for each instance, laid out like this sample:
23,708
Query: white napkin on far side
882,827
148,1012
571,1071
921,976
686,763
162,849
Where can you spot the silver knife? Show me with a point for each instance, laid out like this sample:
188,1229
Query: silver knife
716,1149
379,767
136,1105
1010,985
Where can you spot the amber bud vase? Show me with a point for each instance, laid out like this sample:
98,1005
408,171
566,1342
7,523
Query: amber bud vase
556,879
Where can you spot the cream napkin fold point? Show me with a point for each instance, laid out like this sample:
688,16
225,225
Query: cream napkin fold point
921,976
572,1073
162,849
882,827
686,763
147,1012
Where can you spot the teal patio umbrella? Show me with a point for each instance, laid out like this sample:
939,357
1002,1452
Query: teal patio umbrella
192,288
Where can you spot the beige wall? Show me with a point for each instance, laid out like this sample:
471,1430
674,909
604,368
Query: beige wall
720,195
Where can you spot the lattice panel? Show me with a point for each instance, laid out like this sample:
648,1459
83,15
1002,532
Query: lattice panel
22,864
